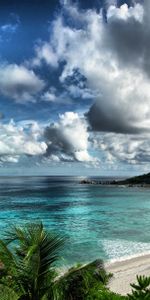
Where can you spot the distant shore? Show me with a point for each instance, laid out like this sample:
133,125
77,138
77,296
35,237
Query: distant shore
139,181
114,183
125,272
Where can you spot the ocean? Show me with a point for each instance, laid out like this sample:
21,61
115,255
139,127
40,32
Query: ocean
107,222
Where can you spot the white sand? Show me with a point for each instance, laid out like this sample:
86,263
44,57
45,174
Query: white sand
125,273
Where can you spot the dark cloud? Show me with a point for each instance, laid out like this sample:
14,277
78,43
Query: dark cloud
130,39
58,144
127,36
100,120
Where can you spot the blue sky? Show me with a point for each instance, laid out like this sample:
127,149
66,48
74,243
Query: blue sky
74,87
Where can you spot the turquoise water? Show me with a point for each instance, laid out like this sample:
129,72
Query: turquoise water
98,221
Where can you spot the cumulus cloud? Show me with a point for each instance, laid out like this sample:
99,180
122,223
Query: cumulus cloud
19,83
125,13
17,140
127,34
102,53
124,104
123,148
113,57
68,139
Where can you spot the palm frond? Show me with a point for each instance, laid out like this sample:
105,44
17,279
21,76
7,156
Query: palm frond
33,255
7,293
6,256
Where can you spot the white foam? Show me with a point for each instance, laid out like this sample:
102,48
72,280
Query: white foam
120,250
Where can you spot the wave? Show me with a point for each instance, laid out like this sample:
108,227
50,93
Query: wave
120,250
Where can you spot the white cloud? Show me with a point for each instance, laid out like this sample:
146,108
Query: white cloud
122,91
114,59
77,91
123,148
63,141
17,140
9,28
68,138
19,83
45,53
50,95
124,13
83,155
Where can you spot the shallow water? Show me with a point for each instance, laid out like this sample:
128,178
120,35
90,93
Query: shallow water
98,221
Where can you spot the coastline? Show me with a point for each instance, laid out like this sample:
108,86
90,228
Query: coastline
125,272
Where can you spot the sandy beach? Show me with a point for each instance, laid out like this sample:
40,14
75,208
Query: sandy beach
125,272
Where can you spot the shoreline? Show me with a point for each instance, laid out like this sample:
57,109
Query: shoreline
125,272
129,257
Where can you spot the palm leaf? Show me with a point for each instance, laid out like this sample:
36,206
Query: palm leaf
7,293
6,256
32,255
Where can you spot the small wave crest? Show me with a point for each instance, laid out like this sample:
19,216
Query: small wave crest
119,250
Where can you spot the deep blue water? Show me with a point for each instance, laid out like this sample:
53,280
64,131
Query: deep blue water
98,221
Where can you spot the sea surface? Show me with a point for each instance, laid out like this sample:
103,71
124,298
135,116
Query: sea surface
107,222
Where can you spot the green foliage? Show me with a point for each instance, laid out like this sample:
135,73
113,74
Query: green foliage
142,179
29,255
85,283
7,293
28,258
100,292
141,290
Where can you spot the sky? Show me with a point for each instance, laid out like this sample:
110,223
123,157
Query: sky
74,87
